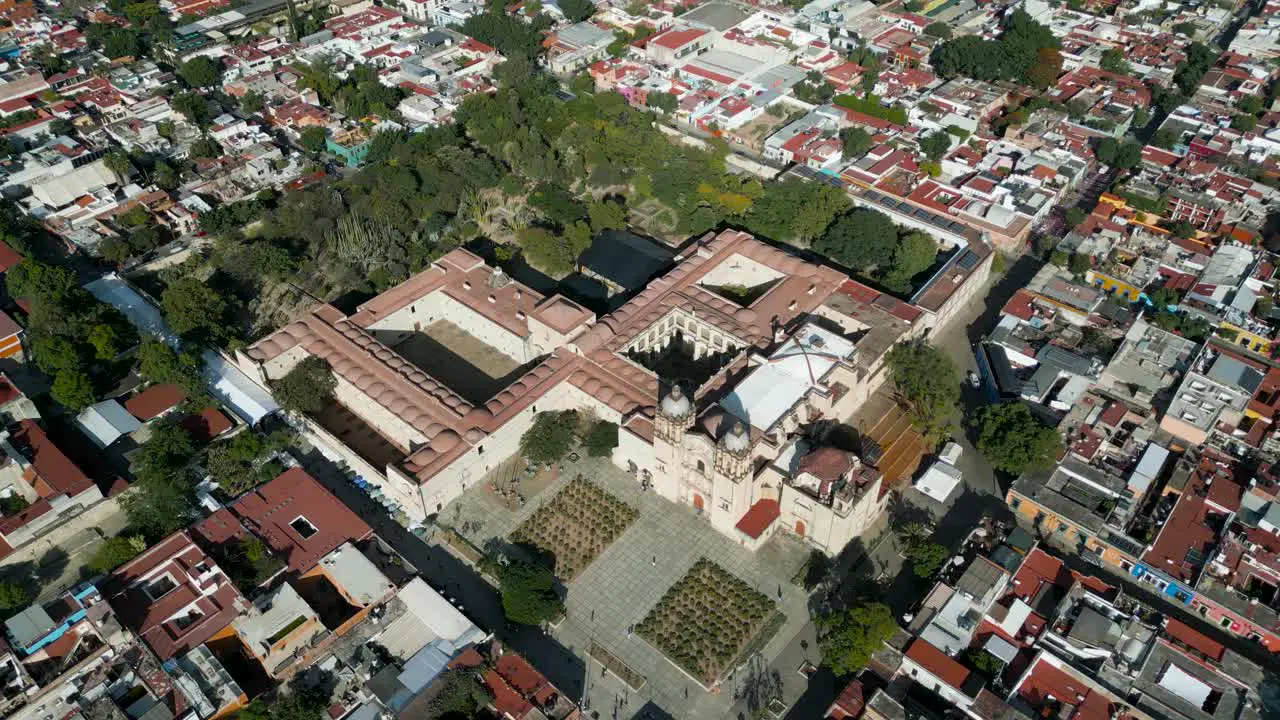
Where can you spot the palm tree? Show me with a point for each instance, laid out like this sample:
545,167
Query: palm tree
118,163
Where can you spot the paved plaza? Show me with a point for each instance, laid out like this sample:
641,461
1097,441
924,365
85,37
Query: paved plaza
616,591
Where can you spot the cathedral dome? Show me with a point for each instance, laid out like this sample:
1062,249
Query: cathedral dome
676,404
737,440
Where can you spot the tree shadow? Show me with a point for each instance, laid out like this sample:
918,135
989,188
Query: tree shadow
760,685
448,574
51,565
901,512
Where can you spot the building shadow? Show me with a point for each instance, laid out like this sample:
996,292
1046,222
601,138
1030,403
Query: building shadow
456,579
1015,278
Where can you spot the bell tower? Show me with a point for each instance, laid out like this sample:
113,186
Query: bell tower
733,456
673,418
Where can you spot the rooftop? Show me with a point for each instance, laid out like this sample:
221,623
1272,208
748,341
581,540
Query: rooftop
299,519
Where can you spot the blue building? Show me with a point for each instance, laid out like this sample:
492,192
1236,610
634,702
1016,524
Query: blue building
41,625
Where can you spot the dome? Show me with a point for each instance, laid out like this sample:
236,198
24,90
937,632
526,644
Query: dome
737,440
675,404
445,441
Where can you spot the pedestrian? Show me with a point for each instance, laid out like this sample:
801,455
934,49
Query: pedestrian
655,561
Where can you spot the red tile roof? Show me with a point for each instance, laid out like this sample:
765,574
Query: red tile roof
938,663
675,39
1112,416
8,257
154,401
759,517
206,425
1184,530
269,511
199,586
49,462
1044,681
1020,305
850,703
1193,639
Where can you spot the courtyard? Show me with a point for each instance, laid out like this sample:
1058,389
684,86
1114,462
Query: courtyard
609,599
459,360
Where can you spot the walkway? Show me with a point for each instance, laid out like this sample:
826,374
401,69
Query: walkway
619,588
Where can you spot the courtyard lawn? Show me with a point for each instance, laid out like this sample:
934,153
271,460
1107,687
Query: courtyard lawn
576,526
704,621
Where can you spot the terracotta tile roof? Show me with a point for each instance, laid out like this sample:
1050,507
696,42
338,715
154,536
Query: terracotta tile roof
206,425
849,704
938,663
8,257
759,517
1193,639
826,463
154,401
270,512
48,461
198,592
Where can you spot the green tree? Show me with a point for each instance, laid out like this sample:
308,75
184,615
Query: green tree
848,638
54,354
548,440
546,251
928,383
914,254
118,163
607,215
1079,264
529,594
1164,138
795,210
313,139
165,177
939,30
238,464
459,694
926,557
248,562
200,72
1250,104
162,499
1244,123
1113,60
855,141
935,145
73,390
194,107
106,341
601,439
158,362
191,307
984,662
1013,440
252,102
116,551
299,704
1187,29
206,147
577,10
13,597
307,388
1074,216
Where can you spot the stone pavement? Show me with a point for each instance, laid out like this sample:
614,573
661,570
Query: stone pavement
619,588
